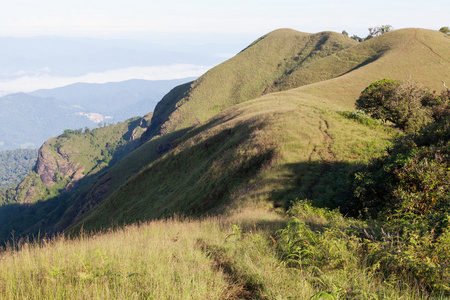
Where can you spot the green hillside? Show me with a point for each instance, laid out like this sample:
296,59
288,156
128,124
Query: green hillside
248,75
239,186
66,165
285,145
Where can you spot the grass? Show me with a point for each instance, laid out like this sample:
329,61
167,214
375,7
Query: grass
265,148
248,75
243,255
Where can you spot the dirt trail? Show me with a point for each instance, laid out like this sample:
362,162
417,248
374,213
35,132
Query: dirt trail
326,138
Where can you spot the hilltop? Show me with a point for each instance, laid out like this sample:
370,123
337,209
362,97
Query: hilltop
244,143
252,145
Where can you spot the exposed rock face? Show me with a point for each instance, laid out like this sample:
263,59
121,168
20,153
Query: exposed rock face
49,163
46,166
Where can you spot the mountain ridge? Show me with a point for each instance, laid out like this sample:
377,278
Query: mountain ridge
319,101
258,144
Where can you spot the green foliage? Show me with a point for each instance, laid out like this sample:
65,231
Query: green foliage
445,30
400,250
15,164
438,104
389,251
412,179
397,102
361,117
373,32
379,30
373,100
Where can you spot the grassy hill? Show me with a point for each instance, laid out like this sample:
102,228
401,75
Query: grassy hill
246,76
277,147
229,153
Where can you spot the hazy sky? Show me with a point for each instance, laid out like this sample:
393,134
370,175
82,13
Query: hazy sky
120,18
217,28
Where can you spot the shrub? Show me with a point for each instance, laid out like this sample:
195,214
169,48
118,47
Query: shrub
412,180
397,102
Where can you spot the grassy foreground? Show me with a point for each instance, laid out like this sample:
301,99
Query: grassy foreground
244,255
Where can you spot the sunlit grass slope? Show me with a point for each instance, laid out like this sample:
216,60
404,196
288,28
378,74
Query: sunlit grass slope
417,54
236,257
275,148
251,73
240,256
286,59
270,150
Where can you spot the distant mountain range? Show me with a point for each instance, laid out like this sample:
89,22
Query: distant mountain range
29,119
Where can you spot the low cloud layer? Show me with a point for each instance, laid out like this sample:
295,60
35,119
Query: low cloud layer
46,81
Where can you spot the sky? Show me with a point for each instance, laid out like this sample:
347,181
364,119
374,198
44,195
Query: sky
201,22
109,18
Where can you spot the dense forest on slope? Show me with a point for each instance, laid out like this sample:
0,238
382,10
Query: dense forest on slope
15,164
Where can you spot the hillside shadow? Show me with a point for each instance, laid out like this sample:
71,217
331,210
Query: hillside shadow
193,181
324,183
47,218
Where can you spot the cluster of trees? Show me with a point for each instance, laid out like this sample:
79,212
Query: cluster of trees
373,32
445,30
15,164
405,104
407,191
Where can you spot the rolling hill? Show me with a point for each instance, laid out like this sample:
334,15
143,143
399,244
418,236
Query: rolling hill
269,143
226,133
249,138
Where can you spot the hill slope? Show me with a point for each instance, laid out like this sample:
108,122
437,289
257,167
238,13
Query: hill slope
246,76
65,166
277,147
225,139
234,169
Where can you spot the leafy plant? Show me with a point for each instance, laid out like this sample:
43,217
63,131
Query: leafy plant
397,102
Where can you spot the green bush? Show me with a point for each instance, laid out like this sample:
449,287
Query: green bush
397,102
412,178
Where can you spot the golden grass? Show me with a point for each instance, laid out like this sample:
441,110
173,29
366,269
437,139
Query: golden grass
230,257
167,259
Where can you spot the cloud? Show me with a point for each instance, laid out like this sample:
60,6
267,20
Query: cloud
46,81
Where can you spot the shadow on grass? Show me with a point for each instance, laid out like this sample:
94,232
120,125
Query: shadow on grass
323,183
195,180
46,218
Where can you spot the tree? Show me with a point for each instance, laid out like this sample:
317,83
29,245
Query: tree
398,102
379,30
356,38
445,30
345,33
374,98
